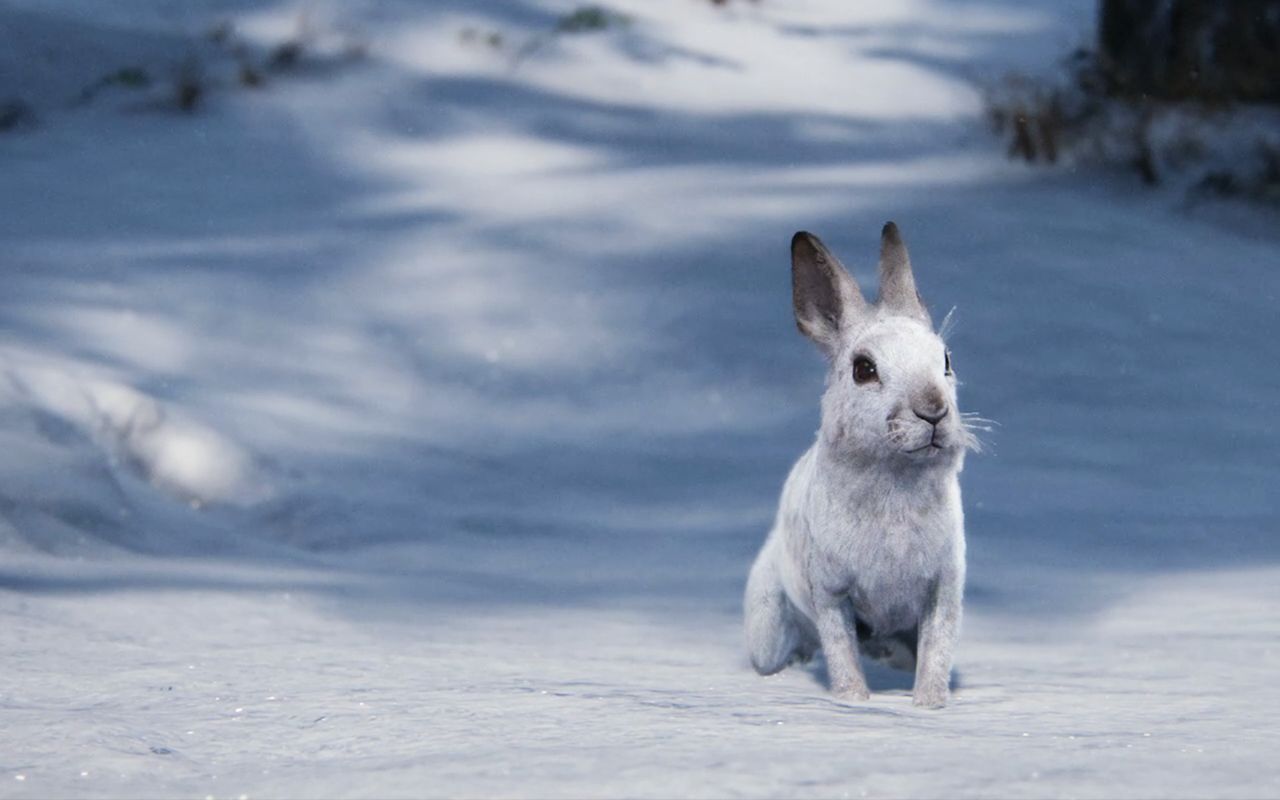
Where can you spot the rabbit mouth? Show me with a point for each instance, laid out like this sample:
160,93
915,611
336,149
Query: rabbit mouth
934,445
928,449
920,441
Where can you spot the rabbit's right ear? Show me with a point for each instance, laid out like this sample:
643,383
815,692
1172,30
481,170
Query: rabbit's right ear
824,295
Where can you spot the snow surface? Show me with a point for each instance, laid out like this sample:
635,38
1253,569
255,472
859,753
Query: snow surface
407,427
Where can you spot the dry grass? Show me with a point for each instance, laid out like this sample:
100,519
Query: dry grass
1212,144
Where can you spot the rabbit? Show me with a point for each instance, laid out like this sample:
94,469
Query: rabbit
868,543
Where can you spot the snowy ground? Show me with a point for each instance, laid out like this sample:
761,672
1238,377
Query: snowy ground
407,426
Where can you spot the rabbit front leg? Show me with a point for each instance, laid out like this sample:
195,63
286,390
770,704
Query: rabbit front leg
939,629
837,633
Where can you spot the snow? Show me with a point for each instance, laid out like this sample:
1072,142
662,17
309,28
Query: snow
407,426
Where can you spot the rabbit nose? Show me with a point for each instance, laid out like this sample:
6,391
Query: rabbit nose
934,405
932,418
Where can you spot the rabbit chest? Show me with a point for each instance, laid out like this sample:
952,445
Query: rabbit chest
884,556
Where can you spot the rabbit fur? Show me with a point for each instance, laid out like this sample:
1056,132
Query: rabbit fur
868,544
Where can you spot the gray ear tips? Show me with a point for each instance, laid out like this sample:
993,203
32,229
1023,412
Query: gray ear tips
804,239
889,234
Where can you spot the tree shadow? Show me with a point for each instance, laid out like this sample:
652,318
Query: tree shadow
880,678
521,344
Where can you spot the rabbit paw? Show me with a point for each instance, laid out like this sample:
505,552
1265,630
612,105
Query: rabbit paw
852,694
929,699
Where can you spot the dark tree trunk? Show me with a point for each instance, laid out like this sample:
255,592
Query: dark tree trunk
1213,50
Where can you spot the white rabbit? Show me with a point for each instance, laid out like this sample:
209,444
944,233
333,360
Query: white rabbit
868,544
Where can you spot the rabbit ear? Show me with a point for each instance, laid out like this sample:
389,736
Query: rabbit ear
823,294
897,284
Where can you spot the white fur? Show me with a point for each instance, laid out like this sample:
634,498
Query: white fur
870,529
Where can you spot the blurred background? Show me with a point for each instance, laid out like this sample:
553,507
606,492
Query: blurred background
393,395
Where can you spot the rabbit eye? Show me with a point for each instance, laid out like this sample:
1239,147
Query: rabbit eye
864,370
947,362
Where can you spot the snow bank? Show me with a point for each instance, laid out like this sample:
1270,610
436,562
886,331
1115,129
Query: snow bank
75,437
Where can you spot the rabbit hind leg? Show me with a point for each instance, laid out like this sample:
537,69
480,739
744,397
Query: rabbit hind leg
775,633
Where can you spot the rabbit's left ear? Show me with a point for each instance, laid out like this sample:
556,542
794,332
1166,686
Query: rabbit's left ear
823,294
897,284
